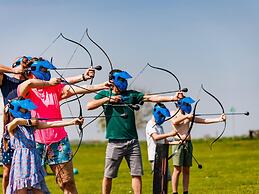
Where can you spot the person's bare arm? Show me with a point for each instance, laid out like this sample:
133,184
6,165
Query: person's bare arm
44,125
174,142
5,69
179,119
199,120
70,90
1,79
36,83
157,98
88,74
97,103
14,123
156,136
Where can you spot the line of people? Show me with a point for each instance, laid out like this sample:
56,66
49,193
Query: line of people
31,95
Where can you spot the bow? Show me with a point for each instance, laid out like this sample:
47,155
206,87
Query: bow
77,97
192,121
178,82
91,65
106,55
108,58
223,112
131,106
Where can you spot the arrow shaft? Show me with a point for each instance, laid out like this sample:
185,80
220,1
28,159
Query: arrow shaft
69,68
71,117
165,92
215,114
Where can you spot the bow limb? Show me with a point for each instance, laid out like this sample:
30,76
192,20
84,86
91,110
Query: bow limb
80,116
223,112
81,134
91,64
192,121
162,69
111,68
179,85
108,58
82,46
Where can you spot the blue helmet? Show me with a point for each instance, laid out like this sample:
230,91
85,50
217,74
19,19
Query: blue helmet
16,104
185,104
160,112
120,80
19,60
36,69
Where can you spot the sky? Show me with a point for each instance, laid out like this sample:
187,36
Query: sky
214,43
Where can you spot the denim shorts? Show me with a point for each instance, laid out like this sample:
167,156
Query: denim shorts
116,150
55,153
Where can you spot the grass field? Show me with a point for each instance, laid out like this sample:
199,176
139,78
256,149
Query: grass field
231,167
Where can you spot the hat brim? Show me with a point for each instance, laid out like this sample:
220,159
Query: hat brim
188,100
123,75
27,104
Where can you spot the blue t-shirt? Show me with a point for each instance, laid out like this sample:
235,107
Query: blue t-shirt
9,87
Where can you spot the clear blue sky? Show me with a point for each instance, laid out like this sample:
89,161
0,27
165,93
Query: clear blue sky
211,42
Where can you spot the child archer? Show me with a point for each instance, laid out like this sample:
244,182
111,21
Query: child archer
26,171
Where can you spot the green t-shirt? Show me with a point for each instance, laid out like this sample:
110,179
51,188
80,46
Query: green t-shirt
118,127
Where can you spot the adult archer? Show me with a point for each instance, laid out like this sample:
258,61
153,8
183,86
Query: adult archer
121,132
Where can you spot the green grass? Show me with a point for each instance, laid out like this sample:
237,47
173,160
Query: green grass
231,167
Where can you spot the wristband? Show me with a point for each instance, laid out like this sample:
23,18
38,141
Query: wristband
29,123
83,76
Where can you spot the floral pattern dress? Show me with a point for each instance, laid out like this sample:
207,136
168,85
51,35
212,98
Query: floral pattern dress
26,170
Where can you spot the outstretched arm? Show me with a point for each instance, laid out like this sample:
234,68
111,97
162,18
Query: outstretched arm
44,125
70,90
24,87
5,69
157,98
221,118
88,74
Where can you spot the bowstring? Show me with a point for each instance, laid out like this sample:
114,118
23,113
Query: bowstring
50,45
69,61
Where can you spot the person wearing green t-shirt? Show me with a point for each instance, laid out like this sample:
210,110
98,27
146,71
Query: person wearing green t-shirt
121,130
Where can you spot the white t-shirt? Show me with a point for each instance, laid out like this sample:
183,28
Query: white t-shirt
151,144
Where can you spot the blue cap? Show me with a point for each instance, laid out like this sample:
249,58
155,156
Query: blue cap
188,100
18,61
185,104
122,74
38,73
16,104
46,64
160,112
26,104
